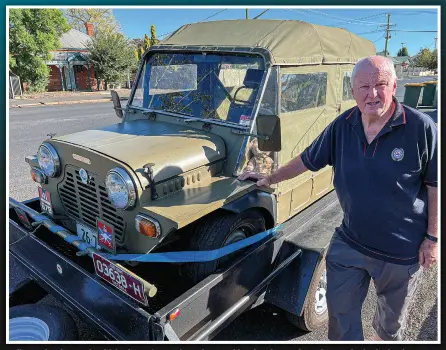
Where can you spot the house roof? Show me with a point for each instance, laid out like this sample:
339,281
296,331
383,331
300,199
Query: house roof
287,41
400,59
74,39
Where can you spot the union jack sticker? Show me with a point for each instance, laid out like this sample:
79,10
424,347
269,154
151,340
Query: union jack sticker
106,238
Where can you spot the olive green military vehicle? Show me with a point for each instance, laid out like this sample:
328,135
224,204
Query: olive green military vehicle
210,101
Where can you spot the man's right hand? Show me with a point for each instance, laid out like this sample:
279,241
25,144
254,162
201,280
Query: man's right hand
262,180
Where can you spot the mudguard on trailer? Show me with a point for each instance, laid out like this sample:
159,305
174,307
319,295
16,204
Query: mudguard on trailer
289,290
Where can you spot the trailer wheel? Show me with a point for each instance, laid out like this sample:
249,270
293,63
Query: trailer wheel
315,312
218,230
40,322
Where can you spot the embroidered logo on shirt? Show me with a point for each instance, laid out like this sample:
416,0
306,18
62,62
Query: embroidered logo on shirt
397,154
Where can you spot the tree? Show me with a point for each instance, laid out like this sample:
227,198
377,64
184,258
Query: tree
111,55
102,19
153,39
147,42
33,34
403,52
426,59
135,50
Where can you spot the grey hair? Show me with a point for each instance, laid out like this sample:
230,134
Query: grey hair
388,62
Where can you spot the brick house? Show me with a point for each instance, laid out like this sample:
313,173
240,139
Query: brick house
69,69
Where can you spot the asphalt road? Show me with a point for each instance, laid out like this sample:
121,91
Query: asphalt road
28,127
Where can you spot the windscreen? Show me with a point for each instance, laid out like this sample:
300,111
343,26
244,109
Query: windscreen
209,86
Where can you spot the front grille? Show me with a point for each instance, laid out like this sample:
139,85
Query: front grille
86,202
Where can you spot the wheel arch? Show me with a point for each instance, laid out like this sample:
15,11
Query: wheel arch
264,202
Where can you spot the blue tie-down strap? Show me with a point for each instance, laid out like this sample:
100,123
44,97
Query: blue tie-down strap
194,256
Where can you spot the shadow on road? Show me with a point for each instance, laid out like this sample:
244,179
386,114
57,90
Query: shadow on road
263,323
428,330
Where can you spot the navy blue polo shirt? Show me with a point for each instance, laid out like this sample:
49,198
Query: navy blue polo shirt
381,186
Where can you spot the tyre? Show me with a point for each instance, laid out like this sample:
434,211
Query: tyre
218,230
315,312
40,322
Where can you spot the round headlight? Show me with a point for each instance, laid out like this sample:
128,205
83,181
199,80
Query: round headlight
120,188
48,160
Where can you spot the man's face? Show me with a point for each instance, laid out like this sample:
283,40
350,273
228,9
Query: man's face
373,88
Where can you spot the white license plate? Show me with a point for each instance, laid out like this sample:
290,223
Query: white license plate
87,234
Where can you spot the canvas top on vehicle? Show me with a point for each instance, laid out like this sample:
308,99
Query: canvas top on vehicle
285,42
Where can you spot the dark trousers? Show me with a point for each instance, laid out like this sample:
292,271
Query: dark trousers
348,279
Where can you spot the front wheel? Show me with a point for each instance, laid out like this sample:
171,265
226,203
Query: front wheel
315,313
218,230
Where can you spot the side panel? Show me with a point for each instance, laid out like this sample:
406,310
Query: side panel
299,129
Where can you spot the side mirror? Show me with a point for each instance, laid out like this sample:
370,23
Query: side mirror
116,103
269,126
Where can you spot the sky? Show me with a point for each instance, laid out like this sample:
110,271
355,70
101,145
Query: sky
368,23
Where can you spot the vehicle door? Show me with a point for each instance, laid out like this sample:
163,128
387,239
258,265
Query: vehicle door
307,106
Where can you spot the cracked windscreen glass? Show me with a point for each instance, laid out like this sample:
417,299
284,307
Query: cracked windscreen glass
208,86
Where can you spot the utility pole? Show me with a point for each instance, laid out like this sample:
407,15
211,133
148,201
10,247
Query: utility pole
247,17
435,43
388,36
387,33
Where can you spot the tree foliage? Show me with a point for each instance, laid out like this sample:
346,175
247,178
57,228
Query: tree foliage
142,45
426,59
102,19
33,33
141,52
147,42
111,55
403,52
153,39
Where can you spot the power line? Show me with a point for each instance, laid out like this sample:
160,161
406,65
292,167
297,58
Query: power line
361,18
350,19
344,18
215,14
298,11
412,14
373,31
380,38
261,13
414,31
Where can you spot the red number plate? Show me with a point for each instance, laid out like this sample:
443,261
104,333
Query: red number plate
120,278
45,201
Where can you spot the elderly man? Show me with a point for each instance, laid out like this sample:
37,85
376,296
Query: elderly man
384,157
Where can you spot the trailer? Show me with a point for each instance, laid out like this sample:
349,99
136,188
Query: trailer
286,270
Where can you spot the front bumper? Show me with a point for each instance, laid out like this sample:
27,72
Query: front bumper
71,279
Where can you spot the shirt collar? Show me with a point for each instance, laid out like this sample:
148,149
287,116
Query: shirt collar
398,117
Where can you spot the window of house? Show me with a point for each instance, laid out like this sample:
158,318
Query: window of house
347,87
303,91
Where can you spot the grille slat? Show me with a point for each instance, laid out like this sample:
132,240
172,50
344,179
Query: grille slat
68,195
86,202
